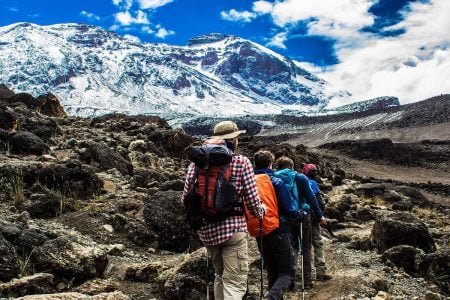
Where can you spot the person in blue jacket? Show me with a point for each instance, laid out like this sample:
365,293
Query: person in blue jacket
311,171
300,190
277,250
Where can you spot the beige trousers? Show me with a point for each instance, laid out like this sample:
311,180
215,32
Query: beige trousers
230,261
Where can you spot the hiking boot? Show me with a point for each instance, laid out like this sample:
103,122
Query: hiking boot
323,277
308,284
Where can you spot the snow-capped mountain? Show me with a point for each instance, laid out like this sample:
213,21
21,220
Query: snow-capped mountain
94,71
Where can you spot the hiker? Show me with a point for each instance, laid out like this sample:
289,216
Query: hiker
275,244
311,171
301,191
226,240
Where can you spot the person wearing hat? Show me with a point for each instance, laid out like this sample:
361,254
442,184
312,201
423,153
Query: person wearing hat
226,241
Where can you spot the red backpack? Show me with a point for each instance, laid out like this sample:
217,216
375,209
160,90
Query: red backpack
212,195
271,219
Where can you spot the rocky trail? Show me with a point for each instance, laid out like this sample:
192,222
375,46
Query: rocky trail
90,209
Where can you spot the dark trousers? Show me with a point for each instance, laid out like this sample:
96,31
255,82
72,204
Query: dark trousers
278,261
295,238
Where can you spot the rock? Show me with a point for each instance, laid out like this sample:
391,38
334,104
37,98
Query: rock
30,239
401,229
26,99
381,284
10,231
72,257
5,93
40,283
382,296
165,214
108,228
9,264
174,185
189,278
370,190
365,214
77,296
404,256
436,266
415,196
433,296
8,120
145,177
25,143
24,217
105,158
70,180
51,106
140,234
391,196
43,205
96,286
403,205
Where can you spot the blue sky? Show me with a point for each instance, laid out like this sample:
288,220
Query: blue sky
336,38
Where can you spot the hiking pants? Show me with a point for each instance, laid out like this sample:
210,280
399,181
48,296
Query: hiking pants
278,261
317,243
230,261
295,237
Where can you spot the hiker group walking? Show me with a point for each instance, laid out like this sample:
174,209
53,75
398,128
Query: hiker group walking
226,199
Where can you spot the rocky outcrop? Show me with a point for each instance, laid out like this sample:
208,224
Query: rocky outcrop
101,156
404,256
71,257
40,283
9,265
189,279
51,106
24,142
165,215
78,296
401,229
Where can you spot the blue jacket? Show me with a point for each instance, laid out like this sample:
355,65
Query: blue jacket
305,194
287,208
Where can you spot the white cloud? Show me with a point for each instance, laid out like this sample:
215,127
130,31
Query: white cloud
412,66
125,18
278,40
234,15
124,4
147,29
163,33
262,7
14,9
132,38
152,4
89,15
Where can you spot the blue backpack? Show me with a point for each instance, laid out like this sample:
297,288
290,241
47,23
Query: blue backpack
288,178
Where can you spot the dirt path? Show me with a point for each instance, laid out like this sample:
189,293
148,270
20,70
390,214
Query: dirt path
387,172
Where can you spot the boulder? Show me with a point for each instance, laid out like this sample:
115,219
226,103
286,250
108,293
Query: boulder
403,205
416,198
50,105
77,296
365,214
105,158
404,256
27,99
29,239
70,180
10,231
173,185
5,93
24,142
145,177
71,257
165,214
370,190
9,264
43,205
189,278
436,267
8,120
40,283
401,228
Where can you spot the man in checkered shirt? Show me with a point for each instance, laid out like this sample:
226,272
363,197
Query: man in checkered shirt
226,241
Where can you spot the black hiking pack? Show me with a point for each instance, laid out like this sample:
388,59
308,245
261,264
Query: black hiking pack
212,195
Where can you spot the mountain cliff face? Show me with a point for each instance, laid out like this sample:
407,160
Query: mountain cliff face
95,72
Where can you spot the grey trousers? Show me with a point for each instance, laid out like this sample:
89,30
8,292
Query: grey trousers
230,261
317,243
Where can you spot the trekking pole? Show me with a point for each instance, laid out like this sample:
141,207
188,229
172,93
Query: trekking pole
207,277
301,254
261,288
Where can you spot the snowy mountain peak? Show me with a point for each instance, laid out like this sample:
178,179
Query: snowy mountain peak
94,71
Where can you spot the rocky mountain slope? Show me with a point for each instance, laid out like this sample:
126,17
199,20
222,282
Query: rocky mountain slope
90,209
95,72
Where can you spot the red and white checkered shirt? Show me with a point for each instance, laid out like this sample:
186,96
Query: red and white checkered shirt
243,177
